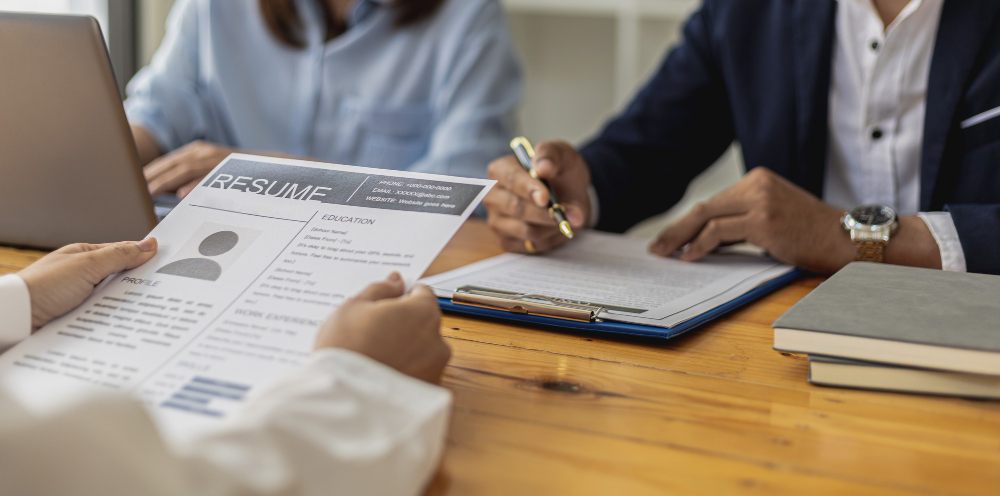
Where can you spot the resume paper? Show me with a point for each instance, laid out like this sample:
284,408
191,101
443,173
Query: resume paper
250,265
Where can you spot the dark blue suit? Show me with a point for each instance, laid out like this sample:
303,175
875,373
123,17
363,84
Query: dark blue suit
758,72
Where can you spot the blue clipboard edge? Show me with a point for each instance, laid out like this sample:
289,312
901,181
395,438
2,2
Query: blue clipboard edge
626,328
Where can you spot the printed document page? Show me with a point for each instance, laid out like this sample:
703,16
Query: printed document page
617,272
250,264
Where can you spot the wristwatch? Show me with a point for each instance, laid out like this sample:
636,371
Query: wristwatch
870,226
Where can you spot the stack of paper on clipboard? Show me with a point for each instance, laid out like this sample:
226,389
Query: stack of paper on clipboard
606,282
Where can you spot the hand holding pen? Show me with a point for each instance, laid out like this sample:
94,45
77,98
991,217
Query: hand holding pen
541,199
525,154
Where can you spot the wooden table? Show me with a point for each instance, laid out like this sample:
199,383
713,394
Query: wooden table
714,412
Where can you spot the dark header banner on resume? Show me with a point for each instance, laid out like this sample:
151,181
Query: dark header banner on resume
344,188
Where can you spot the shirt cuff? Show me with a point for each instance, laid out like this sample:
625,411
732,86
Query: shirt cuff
595,206
374,377
943,229
15,311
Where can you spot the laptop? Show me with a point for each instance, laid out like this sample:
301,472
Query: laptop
69,170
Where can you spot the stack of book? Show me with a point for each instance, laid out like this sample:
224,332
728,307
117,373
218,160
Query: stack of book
892,328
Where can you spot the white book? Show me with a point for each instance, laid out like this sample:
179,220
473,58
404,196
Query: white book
828,371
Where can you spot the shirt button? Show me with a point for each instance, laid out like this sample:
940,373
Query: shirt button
875,45
877,134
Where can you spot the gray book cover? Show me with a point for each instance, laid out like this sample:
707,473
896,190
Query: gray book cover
890,302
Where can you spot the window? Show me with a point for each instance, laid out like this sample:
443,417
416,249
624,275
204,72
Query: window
96,8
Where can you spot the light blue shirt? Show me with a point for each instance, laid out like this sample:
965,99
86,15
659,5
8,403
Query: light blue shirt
438,96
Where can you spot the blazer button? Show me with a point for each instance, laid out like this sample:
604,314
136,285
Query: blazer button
877,134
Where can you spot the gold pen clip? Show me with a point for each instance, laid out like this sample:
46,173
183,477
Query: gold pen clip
522,141
529,150
523,304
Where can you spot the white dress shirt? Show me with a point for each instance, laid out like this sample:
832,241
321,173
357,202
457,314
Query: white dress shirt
878,102
342,424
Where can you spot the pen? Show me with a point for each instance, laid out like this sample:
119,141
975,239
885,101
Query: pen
526,155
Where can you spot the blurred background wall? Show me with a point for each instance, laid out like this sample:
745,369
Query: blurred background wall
583,59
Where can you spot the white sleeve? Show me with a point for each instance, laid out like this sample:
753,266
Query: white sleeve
15,311
943,229
343,424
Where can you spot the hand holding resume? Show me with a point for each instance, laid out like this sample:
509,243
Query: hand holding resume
249,267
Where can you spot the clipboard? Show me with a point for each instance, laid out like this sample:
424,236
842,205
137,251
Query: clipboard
555,313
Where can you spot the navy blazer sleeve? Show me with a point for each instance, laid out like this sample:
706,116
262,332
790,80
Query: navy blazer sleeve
978,229
676,127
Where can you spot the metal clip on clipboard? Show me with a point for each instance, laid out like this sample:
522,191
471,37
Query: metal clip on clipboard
522,303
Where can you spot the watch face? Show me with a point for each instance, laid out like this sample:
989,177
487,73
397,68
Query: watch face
873,215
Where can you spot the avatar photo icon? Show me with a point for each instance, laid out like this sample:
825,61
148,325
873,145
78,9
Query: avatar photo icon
204,268
210,252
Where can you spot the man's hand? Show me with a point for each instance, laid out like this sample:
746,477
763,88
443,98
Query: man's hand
401,331
767,210
61,280
518,205
181,170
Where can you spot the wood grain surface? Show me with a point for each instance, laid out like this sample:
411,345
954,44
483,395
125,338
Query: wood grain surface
716,411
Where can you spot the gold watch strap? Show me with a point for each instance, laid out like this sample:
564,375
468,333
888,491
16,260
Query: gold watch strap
869,251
